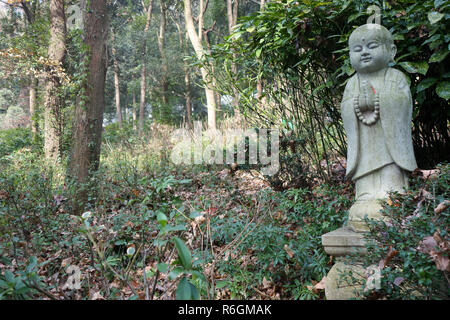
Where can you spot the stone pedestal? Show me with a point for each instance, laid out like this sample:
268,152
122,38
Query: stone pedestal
344,281
342,242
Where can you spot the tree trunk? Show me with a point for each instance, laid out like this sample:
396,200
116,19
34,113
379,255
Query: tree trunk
232,14
187,77
259,85
217,96
53,99
116,82
85,155
144,66
198,47
164,66
33,95
134,111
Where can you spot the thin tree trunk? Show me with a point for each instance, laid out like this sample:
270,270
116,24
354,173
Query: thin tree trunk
144,65
85,155
198,47
164,66
53,99
232,14
134,111
259,85
217,96
187,84
187,77
33,95
116,82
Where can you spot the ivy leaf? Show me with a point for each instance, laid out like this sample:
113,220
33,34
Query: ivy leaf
183,253
434,17
415,67
443,90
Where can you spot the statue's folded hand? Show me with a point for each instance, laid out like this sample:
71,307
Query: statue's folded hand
366,97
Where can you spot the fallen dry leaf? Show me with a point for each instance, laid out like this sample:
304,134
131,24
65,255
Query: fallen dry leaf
427,245
441,260
398,281
266,284
316,287
442,206
393,203
97,296
321,284
438,249
289,251
391,254
427,174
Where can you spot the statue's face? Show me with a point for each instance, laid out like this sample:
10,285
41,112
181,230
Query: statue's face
368,53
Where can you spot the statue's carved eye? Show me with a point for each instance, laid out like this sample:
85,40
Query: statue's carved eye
357,48
373,45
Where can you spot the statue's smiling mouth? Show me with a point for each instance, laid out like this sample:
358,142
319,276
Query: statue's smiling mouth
366,59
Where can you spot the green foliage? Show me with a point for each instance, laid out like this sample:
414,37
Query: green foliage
23,284
297,52
282,243
131,220
14,139
416,237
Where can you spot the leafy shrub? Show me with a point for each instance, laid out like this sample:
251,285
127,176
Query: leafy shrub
413,247
283,242
296,51
14,139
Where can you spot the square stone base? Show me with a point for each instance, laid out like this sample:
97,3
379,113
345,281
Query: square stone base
343,241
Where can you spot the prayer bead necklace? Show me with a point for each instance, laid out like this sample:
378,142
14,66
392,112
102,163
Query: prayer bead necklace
375,115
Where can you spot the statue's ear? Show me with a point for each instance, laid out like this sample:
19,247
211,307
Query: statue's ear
393,52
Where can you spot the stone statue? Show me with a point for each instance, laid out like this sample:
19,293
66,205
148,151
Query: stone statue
376,112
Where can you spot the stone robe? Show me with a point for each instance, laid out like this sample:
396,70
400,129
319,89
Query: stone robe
376,148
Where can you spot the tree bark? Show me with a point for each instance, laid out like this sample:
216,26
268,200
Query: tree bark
85,153
53,99
134,111
116,81
259,84
232,14
187,77
164,66
198,47
217,95
144,65
33,95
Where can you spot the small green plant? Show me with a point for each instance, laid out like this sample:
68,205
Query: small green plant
413,247
23,284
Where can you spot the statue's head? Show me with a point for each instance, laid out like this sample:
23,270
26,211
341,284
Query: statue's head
371,48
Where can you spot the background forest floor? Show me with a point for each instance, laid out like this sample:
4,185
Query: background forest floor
158,231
